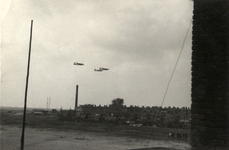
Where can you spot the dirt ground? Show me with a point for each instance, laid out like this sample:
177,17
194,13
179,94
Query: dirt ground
50,139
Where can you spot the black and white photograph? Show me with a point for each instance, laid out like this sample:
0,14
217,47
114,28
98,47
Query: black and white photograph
114,75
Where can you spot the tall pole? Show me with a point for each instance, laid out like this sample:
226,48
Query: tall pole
26,89
49,103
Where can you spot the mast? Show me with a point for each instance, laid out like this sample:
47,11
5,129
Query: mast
26,89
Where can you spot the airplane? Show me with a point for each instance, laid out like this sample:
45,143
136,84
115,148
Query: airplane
104,68
100,69
76,63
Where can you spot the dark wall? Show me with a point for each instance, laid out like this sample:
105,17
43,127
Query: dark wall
210,75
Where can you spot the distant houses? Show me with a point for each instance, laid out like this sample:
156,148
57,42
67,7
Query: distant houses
150,116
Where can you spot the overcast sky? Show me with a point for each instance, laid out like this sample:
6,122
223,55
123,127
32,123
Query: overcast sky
138,40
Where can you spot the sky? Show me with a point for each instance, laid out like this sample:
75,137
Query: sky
138,40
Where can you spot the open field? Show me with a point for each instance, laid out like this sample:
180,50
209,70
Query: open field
46,132
48,139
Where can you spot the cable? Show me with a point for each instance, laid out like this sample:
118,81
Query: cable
53,76
6,12
172,76
14,66
176,64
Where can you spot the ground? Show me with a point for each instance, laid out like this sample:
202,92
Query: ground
50,133
52,139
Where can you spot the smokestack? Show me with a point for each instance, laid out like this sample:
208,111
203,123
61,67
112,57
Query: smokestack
76,102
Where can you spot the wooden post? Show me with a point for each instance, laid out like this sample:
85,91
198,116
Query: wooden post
26,89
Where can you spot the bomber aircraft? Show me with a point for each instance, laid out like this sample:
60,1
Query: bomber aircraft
76,63
100,69
104,68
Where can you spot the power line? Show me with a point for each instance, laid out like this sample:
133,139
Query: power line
14,66
171,76
53,76
176,64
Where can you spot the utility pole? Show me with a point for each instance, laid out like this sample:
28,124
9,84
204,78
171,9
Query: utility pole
26,89
49,103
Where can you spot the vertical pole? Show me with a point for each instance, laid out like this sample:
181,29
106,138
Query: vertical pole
26,89
49,103
76,101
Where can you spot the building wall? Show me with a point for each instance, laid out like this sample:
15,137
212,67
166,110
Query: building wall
210,75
